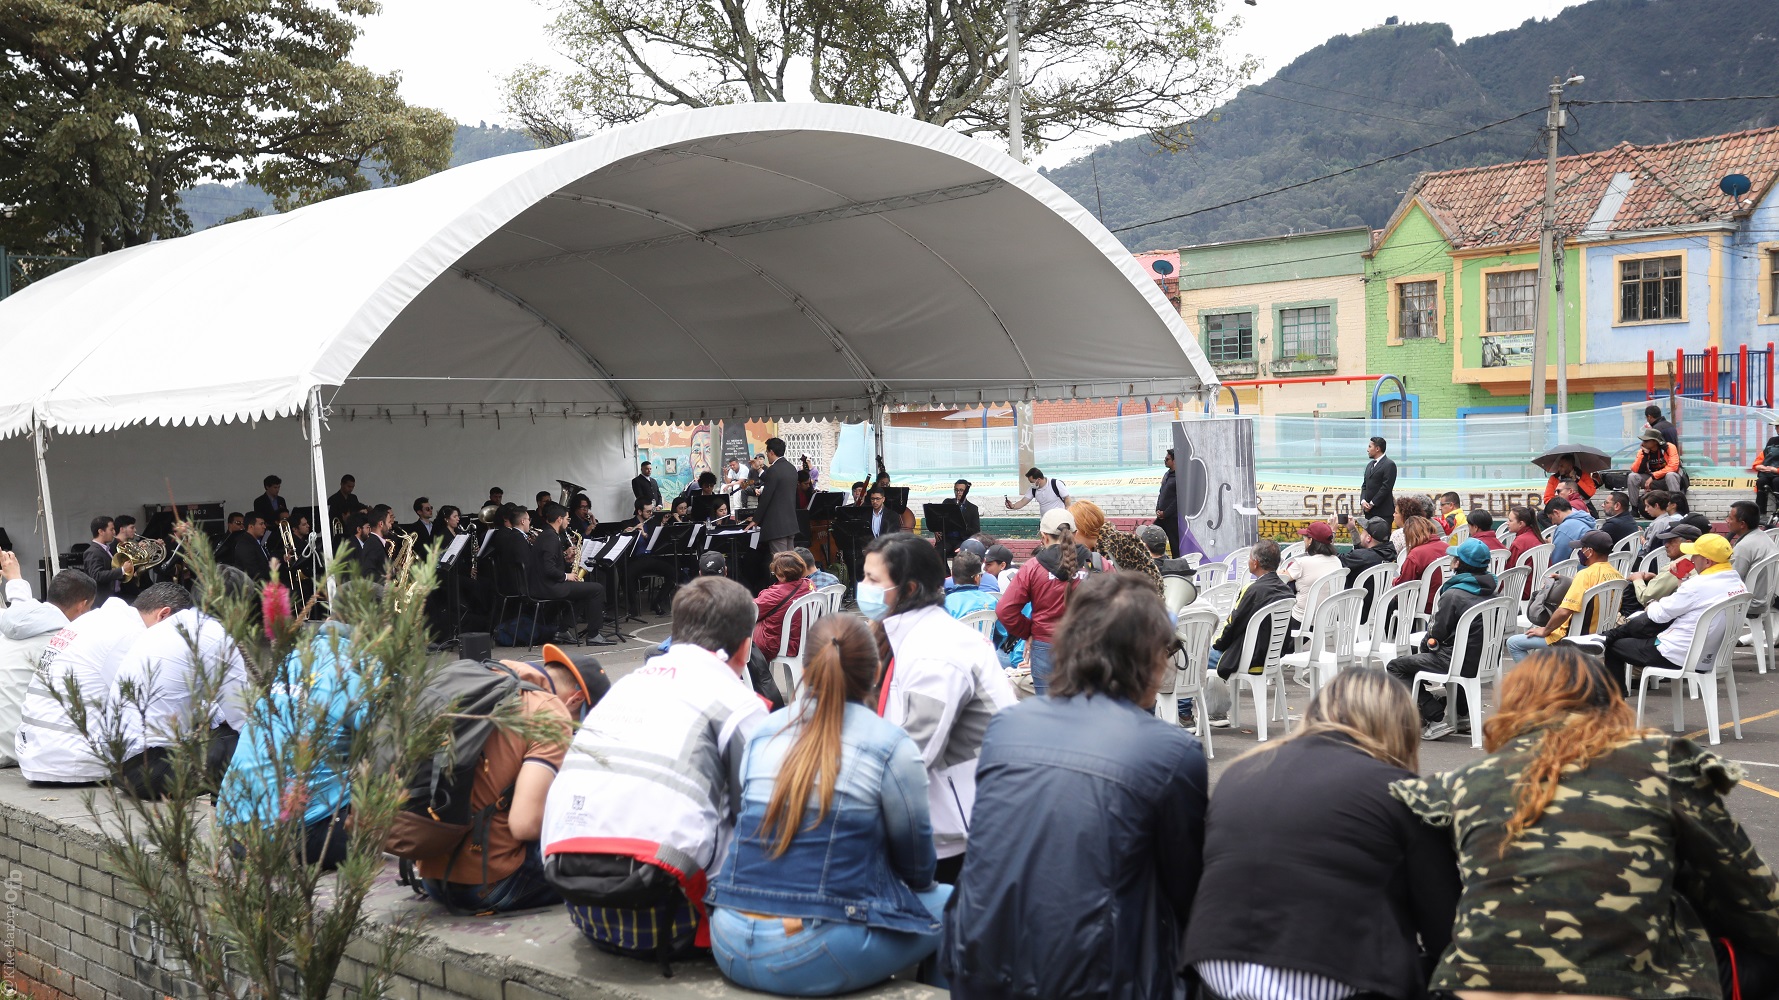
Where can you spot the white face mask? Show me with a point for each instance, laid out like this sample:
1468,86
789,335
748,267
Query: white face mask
871,600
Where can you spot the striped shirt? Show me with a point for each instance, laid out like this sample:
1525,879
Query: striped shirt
1233,980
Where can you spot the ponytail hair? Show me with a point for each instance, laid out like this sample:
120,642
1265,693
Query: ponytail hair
1068,556
840,665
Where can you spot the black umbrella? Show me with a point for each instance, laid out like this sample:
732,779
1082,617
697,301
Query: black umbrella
1587,459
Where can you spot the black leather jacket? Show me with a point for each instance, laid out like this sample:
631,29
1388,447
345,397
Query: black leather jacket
1084,856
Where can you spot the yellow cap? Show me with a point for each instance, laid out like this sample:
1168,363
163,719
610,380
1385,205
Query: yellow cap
1713,547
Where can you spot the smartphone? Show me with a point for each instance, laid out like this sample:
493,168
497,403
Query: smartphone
1343,519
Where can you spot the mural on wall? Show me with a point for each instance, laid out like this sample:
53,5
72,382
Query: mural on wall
680,452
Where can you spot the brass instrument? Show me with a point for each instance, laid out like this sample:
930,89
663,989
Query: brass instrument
141,553
289,541
532,533
405,589
574,540
489,514
568,491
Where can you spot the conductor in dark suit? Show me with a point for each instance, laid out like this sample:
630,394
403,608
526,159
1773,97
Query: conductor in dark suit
645,487
777,513
1377,495
549,566
248,551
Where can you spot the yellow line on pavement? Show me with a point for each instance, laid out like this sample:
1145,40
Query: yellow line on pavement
1759,788
1726,725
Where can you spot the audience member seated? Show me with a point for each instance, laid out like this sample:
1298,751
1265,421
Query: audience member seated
1570,523
1389,881
1655,466
1371,547
1523,523
773,604
1593,854
647,798
27,627
1122,550
828,885
1263,565
1593,549
1742,528
1318,560
1660,508
1452,517
813,571
1088,824
1482,528
997,567
1664,633
1406,508
1426,548
1470,583
1647,587
165,700
81,662
1620,523
942,680
965,594
1156,541
1566,479
513,781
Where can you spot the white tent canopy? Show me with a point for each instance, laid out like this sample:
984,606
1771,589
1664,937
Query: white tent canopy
763,260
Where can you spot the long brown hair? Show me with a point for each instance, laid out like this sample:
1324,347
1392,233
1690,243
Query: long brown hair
1090,520
840,665
1370,708
1418,531
1566,693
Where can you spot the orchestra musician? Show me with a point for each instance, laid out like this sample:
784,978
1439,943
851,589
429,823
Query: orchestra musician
232,527
580,513
343,502
299,563
552,562
885,519
537,513
367,548
640,561
858,494
966,518
421,528
682,510
495,495
97,558
270,503
248,553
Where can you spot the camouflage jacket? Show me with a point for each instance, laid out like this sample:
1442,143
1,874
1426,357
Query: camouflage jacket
1605,893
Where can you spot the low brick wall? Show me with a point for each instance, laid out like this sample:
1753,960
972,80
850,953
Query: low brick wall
73,930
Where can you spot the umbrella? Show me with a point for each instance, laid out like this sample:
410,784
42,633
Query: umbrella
1588,459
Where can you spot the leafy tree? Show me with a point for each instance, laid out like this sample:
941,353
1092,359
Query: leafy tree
1087,64
115,106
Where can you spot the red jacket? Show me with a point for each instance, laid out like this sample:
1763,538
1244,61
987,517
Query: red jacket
774,603
1489,539
1420,557
1527,539
1039,584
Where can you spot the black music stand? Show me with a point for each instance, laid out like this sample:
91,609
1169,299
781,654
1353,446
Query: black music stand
942,520
609,560
853,525
894,496
448,562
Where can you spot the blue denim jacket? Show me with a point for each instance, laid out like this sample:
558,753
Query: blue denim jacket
858,864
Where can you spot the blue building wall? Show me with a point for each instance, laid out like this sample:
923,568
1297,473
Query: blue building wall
1746,271
1609,342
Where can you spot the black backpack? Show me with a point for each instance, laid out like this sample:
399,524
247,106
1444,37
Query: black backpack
437,822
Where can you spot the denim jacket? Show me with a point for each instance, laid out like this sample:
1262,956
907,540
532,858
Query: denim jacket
859,862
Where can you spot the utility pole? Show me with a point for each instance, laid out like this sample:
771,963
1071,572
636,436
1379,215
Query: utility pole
1025,434
1554,120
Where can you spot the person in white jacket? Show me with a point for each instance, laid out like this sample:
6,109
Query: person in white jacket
182,679
80,663
26,628
942,681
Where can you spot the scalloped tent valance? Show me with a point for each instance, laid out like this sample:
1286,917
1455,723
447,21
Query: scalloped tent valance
764,260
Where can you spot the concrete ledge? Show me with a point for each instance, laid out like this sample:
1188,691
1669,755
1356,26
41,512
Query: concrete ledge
77,931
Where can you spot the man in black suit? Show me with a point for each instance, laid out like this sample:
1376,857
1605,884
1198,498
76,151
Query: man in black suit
344,501
777,513
885,520
1377,495
644,486
966,518
372,557
96,560
269,503
550,564
248,554
1167,505
421,529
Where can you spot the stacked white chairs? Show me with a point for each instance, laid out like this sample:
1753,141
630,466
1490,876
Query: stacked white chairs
1279,614
1390,624
1707,662
1196,629
787,668
1759,583
1328,645
1220,598
1493,614
1209,574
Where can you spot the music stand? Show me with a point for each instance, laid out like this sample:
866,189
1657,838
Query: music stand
942,519
448,561
853,525
609,557
704,508
823,505
895,496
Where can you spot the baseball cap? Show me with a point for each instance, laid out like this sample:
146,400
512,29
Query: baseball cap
1378,529
1470,552
581,666
713,564
1056,520
1599,541
973,546
1681,530
998,553
1317,531
1715,548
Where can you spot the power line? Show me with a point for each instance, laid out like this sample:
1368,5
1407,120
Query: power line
1324,177
1683,100
1448,123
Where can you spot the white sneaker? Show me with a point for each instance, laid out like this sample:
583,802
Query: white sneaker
1436,730
1222,723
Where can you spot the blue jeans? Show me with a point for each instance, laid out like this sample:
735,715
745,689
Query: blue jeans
524,889
1521,646
1037,657
824,958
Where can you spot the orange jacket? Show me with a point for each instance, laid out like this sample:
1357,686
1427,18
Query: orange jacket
1585,483
1670,462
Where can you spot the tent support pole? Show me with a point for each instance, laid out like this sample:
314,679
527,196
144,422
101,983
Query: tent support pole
879,417
318,469
43,499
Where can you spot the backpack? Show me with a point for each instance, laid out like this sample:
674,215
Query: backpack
1547,599
436,821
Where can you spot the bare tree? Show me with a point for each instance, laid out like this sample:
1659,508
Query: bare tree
1087,64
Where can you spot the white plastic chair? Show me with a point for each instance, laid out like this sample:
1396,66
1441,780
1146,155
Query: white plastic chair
1220,599
1291,551
1391,622
786,669
1320,590
1759,584
1429,589
1630,543
1279,614
982,621
1373,581
1497,561
1196,629
1538,557
1568,567
1209,574
1332,635
1599,607
1546,533
835,593
1622,560
1504,534
1710,656
1656,561
1237,562
1512,583
1459,535
1493,615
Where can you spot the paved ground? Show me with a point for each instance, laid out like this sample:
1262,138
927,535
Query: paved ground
1755,803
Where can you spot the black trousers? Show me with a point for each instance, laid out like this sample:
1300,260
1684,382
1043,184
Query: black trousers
1432,706
1632,651
1171,525
324,841
586,597
1765,484
149,774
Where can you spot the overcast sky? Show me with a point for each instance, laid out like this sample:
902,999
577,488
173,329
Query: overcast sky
453,53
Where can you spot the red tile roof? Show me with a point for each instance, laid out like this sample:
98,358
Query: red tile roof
1672,184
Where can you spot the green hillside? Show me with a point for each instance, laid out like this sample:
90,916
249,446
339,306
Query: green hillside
1392,88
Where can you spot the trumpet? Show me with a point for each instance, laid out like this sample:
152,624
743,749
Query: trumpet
141,553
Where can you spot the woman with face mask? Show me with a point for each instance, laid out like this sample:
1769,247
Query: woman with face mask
941,680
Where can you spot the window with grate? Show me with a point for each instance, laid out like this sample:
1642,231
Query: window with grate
1511,296
1773,282
1649,289
1229,337
1417,310
1306,332
799,443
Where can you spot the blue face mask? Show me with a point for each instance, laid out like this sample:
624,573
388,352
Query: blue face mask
871,602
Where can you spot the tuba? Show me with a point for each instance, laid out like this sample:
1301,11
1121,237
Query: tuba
568,492
141,553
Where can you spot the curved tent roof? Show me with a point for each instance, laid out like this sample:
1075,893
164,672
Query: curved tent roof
760,260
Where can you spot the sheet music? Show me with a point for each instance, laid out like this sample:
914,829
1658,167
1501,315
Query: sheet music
458,544
483,544
655,536
692,540
615,547
589,551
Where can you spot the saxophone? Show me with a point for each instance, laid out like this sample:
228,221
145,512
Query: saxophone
574,539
